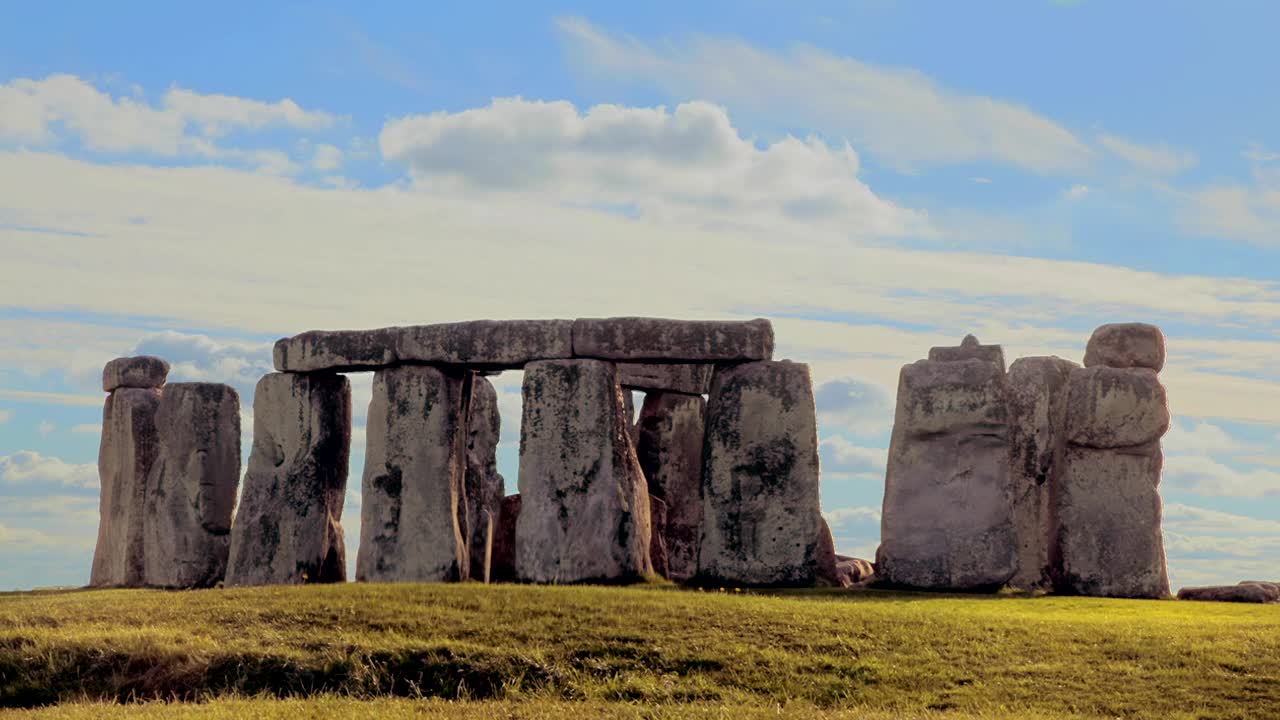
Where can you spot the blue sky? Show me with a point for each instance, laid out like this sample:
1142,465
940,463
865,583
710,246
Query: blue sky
876,176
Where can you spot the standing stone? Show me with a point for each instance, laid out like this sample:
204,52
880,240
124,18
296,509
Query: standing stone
412,512
585,510
969,349
1106,504
669,447
760,477
1037,417
484,486
947,517
191,491
502,565
657,542
128,450
288,528
825,560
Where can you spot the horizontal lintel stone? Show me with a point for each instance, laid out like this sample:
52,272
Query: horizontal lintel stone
686,378
663,340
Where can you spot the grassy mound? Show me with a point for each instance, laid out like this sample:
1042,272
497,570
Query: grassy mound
521,651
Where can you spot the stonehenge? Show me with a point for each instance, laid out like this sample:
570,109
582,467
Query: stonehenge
1040,477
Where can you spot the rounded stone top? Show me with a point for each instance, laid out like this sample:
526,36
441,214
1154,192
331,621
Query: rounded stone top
969,341
1126,345
143,371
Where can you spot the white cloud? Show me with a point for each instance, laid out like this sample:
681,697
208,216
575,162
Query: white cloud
689,165
5,416
842,457
1199,438
326,157
900,115
1207,477
201,358
44,427
1239,211
854,405
40,112
88,428
1158,159
30,467
1075,192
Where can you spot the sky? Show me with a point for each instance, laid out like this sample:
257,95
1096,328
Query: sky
875,176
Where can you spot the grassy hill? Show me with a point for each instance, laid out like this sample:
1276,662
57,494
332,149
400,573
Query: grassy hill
518,651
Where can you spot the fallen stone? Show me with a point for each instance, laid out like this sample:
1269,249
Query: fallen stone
969,349
760,478
1113,408
687,378
947,521
143,371
502,565
191,491
484,485
485,344
413,510
288,529
854,571
657,339
669,446
1107,524
128,450
585,509
657,541
1244,593
1037,418
1126,345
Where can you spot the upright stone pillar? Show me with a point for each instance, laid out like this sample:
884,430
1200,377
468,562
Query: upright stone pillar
1106,509
191,491
669,447
288,528
761,516
128,449
484,485
1037,418
585,512
947,518
410,524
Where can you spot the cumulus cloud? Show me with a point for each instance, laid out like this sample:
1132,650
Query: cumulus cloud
843,458
44,427
1248,212
901,116
185,123
1202,475
688,164
199,358
87,428
1199,438
853,405
27,467
326,157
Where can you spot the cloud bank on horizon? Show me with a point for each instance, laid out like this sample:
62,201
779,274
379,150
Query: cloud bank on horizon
862,175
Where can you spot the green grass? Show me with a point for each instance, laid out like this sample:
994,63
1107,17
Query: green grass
519,651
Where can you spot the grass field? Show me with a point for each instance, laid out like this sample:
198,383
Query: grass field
520,651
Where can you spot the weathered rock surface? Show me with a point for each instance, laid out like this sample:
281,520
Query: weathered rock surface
1244,592
1113,408
760,477
191,490
484,485
824,564
494,344
657,540
646,339
969,349
287,528
128,450
413,512
687,378
1126,345
854,571
947,517
669,438
585,510
1037,418
1107,523
143,371
502,564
